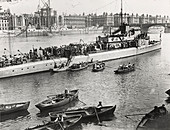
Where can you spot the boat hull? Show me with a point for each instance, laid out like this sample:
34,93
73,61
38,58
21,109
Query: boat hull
41,66
168,92
97,70
77,69
124,71
45,106
57,125
105,111
23,107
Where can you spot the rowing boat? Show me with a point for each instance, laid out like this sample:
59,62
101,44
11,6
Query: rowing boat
125,69
156,113
68,123
86,112
168,92
55,70
13,107
77,67
98,67
58,100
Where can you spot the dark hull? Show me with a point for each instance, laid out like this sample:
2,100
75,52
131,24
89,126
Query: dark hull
124,71
43,106
23,107
56,70
97,70
152,115
57,125
168,92
77,69
105,111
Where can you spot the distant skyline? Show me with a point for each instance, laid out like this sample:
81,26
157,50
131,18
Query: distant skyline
152,7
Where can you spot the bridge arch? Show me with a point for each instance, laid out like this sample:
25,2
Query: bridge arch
145,27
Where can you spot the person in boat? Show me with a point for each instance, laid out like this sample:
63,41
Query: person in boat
94,66
66,93
60,119
99,106
97,66
91,60
163,110
55,65
129,65
53,101
156,112
62,65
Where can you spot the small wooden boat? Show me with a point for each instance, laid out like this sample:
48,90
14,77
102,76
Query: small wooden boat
65,125
168,92
13,107
98,67
154,114
86,112
55,70
77,67
58,100
125,69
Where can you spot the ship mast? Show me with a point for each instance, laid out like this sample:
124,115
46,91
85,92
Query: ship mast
121,13
49,15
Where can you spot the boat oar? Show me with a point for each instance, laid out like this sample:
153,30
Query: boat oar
138,68
97,115
108,66
81,101
135,114
60,125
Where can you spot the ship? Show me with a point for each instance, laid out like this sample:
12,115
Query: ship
122,43
113,47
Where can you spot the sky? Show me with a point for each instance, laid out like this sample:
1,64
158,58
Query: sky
152,7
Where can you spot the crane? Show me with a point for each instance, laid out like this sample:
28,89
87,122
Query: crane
45,8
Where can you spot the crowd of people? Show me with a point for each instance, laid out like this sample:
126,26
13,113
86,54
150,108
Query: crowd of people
124,66
73,49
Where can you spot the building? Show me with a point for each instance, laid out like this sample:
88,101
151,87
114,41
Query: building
117,19
6,21
103,20
144,19
75,21
158,19
133,19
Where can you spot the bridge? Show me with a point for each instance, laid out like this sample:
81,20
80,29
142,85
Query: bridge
145,27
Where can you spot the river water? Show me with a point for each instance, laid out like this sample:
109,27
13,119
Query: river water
132,93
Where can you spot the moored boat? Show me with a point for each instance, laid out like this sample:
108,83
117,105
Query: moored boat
58,100
87,112
13,107
125,69
55,70
98,67
168,92
67,123
157,112
77,67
